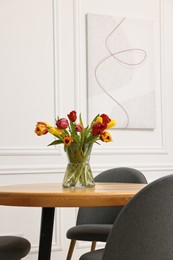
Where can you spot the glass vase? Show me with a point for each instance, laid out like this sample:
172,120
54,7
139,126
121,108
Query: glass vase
78,172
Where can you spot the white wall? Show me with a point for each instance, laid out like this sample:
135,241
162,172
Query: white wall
43,74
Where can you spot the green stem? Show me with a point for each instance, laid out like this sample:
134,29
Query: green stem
78,172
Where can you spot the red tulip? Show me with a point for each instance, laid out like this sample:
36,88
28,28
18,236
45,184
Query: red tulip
98,128
105,119
72,116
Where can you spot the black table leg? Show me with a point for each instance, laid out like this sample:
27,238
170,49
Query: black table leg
46,231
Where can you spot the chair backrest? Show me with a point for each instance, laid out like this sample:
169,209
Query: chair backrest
107,215
144,228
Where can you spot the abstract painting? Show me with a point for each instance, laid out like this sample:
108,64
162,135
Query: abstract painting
120,65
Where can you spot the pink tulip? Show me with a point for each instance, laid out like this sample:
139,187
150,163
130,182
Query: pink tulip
62,123
79,128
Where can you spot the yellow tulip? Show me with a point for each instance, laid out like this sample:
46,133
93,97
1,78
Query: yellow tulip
99,119
41,129
111,124
47,124
55,131
105,137
67,140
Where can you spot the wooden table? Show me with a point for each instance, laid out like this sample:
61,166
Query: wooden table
49,196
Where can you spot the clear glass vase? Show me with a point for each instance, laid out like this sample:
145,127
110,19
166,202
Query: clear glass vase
78,172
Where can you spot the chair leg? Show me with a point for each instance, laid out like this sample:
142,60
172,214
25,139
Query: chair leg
71,248
93,245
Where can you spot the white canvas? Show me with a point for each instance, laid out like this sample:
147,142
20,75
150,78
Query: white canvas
120,54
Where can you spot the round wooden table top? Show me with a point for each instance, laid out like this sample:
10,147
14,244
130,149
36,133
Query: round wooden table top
54,195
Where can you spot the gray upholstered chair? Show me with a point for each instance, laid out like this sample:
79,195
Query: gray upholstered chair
13,247
144,228
95,224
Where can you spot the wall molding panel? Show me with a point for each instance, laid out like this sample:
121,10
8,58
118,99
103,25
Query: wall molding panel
96,168
29,151
130,151
81,79
31,169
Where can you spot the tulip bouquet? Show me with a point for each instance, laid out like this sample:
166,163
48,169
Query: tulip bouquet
78,141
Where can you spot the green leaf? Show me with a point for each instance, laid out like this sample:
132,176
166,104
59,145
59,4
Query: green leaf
92,139
87,132
80,120
95,118
66,132
56,142
72,126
